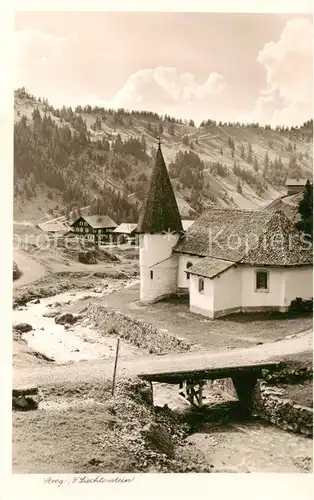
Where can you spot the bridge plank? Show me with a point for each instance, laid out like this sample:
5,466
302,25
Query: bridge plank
176,377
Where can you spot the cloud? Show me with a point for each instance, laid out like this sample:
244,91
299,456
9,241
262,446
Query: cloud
34,50
166,90
289,76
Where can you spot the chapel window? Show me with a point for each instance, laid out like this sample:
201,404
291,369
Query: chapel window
201,285
261,281
189,264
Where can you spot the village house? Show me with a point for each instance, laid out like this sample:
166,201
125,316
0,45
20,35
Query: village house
294,186
227,261
53,227
96,228
126,233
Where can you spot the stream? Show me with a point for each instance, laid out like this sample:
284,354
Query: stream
61,343
228,445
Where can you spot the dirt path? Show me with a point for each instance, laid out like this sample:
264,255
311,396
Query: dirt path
102,369
30,268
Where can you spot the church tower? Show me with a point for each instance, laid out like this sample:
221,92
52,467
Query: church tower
159,227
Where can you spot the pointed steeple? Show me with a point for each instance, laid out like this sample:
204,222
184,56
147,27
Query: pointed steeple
160,211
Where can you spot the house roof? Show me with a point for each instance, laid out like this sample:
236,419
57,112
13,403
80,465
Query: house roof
209,267
289,205
53,227
125,228
260,238
295,182
289,199
97,221
218,231
160,211
280,244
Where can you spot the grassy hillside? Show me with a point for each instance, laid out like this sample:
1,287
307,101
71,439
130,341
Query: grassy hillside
66,158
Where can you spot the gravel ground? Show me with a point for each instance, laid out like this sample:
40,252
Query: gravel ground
87,431
80,428
241,330
89,370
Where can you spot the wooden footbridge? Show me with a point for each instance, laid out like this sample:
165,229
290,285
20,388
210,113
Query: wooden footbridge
243,375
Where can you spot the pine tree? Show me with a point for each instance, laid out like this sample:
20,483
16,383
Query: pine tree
239,187
143,142
306,210
266,160
256,165
171,129
249,153
231,143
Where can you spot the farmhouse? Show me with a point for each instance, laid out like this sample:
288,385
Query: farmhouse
227,261
97,228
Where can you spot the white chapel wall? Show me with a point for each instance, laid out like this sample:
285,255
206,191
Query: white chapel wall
227,290
299,283
183,282
156,256
252,298
202,303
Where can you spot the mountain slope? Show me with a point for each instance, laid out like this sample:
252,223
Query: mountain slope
103,158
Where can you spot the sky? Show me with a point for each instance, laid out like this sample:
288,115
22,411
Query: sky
246,67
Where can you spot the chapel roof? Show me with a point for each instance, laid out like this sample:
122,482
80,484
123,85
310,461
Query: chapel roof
209,267
259,238
160,213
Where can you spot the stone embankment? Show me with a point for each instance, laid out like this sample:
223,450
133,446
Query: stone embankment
271,405
153,436
285,397
135,331
282,398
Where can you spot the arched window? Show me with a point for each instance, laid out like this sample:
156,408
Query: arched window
201,285
188,264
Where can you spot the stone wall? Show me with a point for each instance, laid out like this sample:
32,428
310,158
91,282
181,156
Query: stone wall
269,402
135,331
269,405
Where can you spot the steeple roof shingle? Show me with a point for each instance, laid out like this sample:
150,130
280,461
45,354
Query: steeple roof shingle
160,211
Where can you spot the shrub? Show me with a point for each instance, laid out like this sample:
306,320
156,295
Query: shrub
299,305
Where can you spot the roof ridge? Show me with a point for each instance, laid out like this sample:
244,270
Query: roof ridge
230,209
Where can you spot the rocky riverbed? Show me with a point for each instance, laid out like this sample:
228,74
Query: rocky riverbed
69,340
215,440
